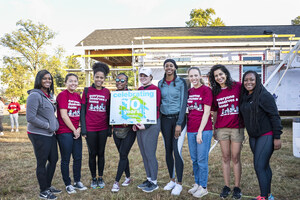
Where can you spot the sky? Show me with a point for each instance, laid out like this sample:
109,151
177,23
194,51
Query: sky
73,20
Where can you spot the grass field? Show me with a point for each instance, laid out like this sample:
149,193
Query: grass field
18,179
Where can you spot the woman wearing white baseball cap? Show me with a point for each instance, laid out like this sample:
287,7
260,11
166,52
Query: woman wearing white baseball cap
147,135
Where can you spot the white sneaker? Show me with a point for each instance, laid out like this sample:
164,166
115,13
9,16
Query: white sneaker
176,190
200,192
126,182
1,133
17,130
12,130
170,185
70,189
193,189
115,187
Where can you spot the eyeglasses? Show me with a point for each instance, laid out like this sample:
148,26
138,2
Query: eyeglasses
120,80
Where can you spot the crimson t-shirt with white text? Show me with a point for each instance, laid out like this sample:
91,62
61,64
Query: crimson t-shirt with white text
96,118
226,103
197,98
72,103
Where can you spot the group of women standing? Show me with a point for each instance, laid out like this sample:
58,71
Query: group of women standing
233,105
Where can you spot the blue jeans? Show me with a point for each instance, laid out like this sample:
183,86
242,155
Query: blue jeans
199,155
69,146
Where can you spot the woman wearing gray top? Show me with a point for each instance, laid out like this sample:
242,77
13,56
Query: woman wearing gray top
42,122
173,121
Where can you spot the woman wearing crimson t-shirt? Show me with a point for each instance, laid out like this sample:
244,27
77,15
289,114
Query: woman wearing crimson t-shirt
68,134
230,133
94,121
199,128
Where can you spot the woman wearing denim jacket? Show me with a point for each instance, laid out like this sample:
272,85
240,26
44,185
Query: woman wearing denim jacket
173,122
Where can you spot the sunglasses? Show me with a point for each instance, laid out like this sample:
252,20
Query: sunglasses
120,80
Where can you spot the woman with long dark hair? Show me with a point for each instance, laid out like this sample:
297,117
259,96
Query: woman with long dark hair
94,122
199,128
263,124
124,138
68,134
41,127
227,129
173,122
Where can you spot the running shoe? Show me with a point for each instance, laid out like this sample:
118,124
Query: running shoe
143,185
225,192
237,193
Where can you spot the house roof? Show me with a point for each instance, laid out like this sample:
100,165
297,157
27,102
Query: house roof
111,37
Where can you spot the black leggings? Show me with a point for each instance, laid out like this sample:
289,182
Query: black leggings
96,142
262,149
45,150
124,146
172,145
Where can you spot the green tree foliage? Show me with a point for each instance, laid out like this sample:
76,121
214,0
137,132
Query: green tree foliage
28,44
200,17
73,63
296,21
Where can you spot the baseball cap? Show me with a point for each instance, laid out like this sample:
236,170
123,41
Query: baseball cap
146,71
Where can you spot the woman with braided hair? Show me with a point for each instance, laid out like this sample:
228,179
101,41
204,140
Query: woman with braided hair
262,121
173,122
124,138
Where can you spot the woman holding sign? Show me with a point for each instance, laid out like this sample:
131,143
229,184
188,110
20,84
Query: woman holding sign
199,128
124,138
173,121
228,130
68,134
94,121
147,135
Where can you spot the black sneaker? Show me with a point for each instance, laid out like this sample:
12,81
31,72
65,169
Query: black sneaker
237,193
150,187
53,190
47,195
225,192
94,183
144,184
101,183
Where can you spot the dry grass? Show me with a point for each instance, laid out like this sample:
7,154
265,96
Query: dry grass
18,180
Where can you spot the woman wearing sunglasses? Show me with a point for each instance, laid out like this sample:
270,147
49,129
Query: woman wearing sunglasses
94,121
124,138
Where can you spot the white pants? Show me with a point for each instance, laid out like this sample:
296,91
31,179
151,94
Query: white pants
14,120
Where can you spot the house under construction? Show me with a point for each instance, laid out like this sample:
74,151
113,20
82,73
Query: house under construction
271,51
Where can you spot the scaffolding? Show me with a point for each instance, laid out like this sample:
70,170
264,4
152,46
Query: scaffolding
139,52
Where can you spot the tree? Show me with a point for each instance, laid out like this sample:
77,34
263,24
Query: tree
28,43
296,21
200,17
73,63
